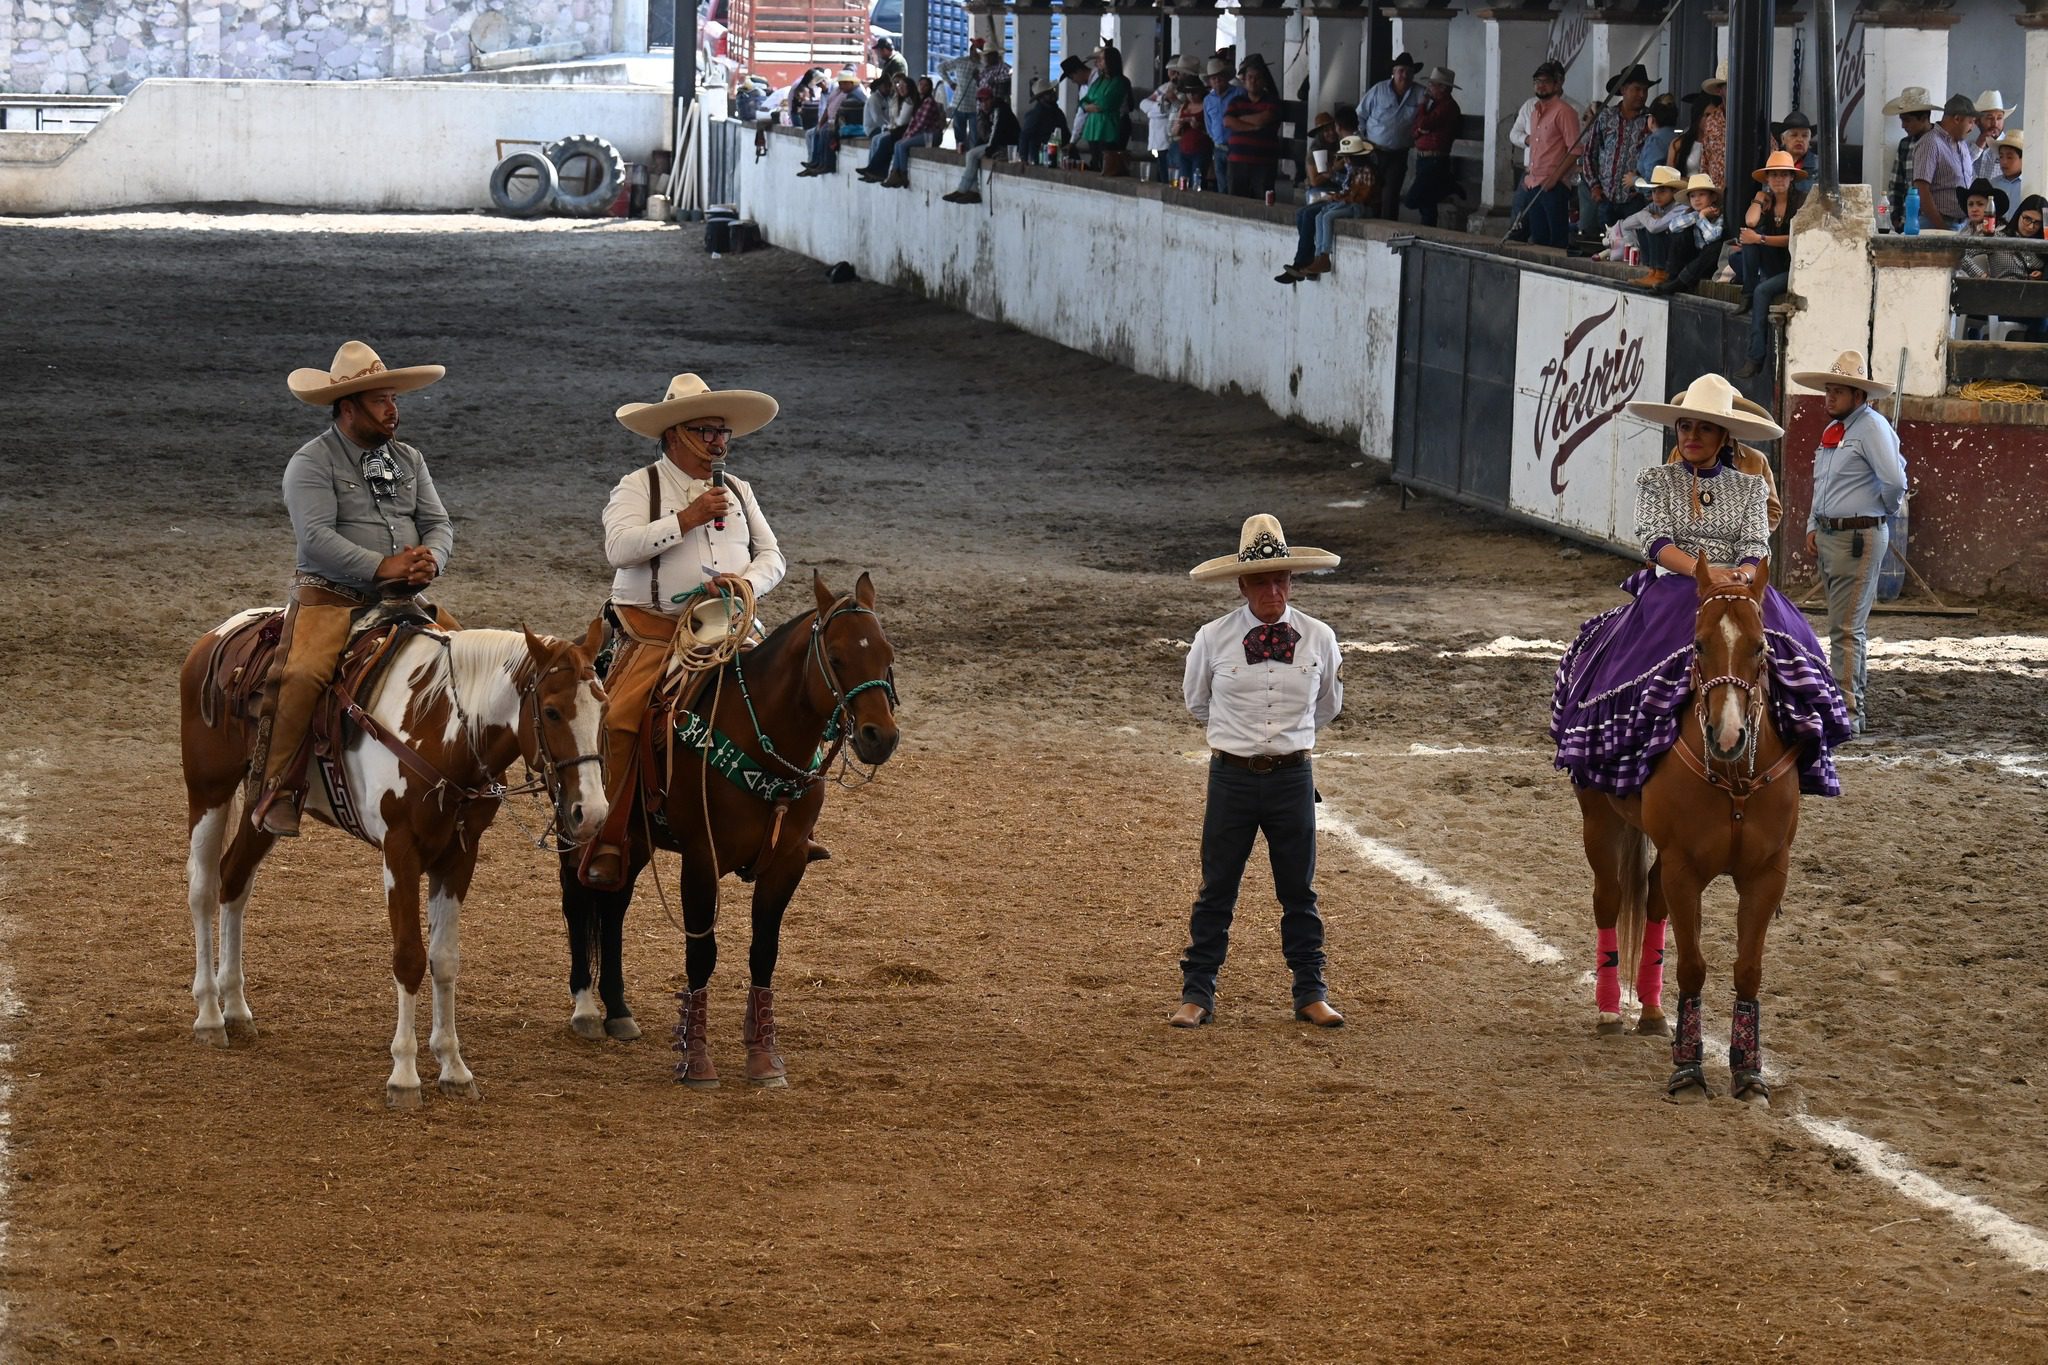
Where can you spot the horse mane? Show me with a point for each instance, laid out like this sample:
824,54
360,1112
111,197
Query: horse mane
476,675
779,638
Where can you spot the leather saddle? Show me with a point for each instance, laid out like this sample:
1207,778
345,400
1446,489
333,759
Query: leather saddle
242,658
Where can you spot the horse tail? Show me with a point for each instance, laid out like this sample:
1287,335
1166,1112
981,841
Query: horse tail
1635,903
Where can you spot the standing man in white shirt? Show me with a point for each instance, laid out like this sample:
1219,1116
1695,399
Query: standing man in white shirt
670,532
1262,679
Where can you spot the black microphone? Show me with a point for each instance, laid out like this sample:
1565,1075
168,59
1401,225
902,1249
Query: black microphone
718,481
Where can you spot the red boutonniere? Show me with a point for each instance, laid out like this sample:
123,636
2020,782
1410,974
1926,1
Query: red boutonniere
1832,437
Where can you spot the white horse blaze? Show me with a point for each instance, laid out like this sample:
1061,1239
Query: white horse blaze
1731,718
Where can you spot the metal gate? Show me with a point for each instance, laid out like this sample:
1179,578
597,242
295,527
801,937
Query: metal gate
725,142
1454,397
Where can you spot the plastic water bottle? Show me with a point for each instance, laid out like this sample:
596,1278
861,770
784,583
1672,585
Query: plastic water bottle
1913,212
1884,213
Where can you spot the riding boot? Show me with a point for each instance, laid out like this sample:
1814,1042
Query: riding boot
764,1063
692,1019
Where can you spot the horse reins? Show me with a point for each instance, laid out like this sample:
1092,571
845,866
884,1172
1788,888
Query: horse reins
1739,785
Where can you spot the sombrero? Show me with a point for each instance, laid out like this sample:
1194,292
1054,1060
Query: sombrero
1778,161
357,369
1710,398
743,409
1912,100
1355,146
1700,180
1262,548
1993,102
1848,371
1663,178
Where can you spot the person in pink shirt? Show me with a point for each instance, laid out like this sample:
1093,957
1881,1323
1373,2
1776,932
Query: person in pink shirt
1544,198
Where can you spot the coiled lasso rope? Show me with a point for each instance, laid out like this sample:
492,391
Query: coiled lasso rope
2001,391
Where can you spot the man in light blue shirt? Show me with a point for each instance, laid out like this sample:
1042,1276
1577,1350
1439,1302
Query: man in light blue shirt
1859,479
1386,119
1222,90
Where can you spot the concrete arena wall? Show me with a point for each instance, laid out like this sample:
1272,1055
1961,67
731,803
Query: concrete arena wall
1082,262
398,145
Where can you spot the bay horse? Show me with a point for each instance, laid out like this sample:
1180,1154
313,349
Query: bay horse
773,721
1717,802
455,709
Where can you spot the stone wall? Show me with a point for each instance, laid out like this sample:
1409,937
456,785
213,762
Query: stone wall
101,47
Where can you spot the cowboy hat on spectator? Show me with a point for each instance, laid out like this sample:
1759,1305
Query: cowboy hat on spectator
1980,188
1848,371
356,369
1959,106
1700,180
1548,70
848,76
1792,121
1710,398
1405,60
1632,75
1355,146
1716,84
1073,69
1215,66
1664,178
2012,138
1262,548
1441,75
744,410
1912,100
1993,102
1041,86
1779,161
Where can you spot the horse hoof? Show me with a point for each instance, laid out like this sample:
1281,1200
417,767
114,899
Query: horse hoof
1750,1089
216,1036
587,1026
623,1028
1653,1026
242,1030
402,1097
458,1090
711,1084
771,1082
1609,1026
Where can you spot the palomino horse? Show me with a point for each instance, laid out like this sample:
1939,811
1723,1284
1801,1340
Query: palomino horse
820,680
453,711
1723,799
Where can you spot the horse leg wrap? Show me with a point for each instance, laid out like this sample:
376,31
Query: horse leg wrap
693,1012
764,1061
1685,1043
1650,971
1607,973
1745,1038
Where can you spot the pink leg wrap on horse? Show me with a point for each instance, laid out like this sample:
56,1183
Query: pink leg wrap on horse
1607,973
1650,971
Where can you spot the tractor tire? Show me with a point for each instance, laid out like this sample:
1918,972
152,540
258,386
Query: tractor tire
595,200
524,203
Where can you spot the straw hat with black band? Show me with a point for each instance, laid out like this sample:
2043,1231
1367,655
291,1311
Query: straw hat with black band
1262,548
1849,371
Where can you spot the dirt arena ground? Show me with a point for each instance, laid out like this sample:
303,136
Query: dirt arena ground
992,1147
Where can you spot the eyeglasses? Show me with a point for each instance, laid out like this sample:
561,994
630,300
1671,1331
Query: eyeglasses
710,433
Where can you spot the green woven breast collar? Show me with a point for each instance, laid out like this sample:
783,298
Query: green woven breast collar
738,767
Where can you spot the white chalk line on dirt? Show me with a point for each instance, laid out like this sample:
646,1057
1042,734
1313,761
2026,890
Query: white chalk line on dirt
14,797
2004,1233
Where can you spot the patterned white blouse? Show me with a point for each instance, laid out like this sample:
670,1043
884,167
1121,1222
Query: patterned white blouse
1727,523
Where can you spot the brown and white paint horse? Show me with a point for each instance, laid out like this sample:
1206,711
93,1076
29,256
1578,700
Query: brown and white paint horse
466,704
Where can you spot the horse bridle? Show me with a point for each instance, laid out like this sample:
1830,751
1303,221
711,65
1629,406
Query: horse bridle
842,697
549,768
1741,783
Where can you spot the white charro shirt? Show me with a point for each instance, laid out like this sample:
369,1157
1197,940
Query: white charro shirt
684,559
1266,707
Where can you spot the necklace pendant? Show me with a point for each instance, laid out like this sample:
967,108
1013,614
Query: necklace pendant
1706,497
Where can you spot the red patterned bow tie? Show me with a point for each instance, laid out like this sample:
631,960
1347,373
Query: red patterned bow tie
1275,643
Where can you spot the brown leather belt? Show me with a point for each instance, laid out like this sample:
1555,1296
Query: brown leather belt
1262,763
1847,523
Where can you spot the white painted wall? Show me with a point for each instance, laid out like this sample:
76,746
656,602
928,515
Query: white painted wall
1082,265
396,145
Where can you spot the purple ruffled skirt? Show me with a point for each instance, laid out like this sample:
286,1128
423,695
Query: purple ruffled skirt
1622,687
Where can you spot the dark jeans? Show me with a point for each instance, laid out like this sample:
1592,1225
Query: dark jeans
1549,215
1612,213
1219,179
1393,169
880,148
1251,179
1241,806
1433,184
1766,293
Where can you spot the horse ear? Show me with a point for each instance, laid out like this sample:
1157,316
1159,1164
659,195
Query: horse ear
864,591
818,586
593,638
535,646
1760,578
1702,575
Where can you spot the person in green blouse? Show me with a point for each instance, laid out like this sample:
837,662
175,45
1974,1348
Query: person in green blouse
1106,104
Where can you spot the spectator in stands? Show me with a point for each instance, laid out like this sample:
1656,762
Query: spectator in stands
1991,117
1194,154
1696,236
841,116
1386,119
904,102
746,96
1552,128
1214,105
1648,229
1253,120
1608,163
926,127
1702,149
995,72
1162,110
1106,104
1518,135
1985,210
1663,114
891,63
1436,132
962,76
2011,151
1913,109
1322,181
1356,195
1040,120
804,99
1943,165
2029,221
996,127
1795,136
1767,242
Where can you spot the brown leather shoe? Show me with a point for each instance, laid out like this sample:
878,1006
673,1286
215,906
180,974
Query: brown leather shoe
1319,1013
1190,1015
278,813
1316,268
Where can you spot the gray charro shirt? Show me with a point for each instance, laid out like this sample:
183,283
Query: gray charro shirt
344,530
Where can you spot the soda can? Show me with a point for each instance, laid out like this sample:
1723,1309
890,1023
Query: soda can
1270,200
